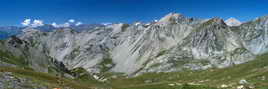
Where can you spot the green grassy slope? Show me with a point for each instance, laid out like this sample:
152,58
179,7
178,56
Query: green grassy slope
252,71
9,58
46,79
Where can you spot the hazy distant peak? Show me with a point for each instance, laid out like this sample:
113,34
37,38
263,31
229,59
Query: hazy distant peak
233,22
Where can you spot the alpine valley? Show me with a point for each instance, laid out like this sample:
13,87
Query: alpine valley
176,52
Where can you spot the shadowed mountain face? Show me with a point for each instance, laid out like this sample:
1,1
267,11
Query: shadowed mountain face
174,43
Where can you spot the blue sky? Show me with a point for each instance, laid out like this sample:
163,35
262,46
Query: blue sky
13,12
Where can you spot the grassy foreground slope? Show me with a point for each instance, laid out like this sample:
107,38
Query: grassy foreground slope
47,79
64,83
254,72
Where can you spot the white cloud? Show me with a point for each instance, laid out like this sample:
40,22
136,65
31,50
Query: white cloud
78,23
26,22
37,23
71,20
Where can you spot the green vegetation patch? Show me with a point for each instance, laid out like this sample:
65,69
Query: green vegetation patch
46,78
255,72
170,86
106,64
161,53
9,58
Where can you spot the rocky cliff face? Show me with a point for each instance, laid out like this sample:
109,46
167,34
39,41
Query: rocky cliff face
254,34
171,44
211,44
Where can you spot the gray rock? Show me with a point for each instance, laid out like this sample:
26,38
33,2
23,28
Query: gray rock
10,81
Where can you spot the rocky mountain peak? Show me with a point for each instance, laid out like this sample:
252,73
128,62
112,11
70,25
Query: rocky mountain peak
261,20
30,30
170,18
217,20
214,22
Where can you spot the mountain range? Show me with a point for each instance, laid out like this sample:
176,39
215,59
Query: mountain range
174,44
8,31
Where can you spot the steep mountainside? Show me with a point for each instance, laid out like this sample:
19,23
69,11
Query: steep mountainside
254,35
212,44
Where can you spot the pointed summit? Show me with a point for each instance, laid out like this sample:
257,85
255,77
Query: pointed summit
171,17
233,22
216,20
